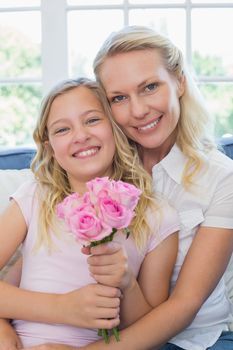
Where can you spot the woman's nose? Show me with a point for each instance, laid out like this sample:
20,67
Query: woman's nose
138,107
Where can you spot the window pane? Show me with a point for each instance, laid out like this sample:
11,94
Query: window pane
169,22
219,99
86,32
157,2
212,43
19,3
20,38
94,2
212,1
19,106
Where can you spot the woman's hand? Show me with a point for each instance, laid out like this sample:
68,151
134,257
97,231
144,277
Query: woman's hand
8,338
108,265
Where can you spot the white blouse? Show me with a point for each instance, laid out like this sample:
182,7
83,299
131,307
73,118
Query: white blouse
209,204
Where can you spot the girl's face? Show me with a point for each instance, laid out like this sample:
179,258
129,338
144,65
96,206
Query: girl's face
81,136
144,97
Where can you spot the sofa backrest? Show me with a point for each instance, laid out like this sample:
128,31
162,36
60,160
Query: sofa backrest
16,157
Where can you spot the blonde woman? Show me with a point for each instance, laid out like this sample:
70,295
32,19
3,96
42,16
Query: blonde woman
160,109
76,142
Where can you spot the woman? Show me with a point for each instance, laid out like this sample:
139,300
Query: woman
159,108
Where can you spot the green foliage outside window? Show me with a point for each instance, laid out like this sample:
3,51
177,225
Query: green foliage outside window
19,103
219,96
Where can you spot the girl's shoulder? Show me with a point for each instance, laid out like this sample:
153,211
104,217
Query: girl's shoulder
27,188
25,197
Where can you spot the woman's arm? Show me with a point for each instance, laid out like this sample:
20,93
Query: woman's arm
153,281
202,269
109,265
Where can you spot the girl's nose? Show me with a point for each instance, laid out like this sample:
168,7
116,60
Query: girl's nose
81,135
139,107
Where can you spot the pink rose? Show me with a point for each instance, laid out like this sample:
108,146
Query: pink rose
106,205
98,185
87,227
71,202
67,205
113,213
126,194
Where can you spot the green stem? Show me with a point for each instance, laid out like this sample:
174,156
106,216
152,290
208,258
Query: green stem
116,333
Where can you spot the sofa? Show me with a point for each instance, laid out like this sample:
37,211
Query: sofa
14,170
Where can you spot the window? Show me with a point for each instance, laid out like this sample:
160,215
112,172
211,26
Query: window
42,42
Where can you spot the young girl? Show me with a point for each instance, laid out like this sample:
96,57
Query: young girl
76,142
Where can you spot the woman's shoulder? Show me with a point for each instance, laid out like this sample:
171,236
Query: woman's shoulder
164,222
169,218
220,164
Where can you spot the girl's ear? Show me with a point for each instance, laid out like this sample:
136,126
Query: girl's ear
48,147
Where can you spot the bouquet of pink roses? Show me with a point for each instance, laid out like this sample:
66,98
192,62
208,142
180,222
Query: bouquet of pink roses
95,217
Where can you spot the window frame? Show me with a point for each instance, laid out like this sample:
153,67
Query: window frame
54,46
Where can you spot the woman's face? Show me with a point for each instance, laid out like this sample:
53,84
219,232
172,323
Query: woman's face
144,97
81,136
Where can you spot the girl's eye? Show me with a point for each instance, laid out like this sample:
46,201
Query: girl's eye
117,99
151,87
61,130
93,120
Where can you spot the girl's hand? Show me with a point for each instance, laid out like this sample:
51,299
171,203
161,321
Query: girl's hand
108,265
92,306
8,338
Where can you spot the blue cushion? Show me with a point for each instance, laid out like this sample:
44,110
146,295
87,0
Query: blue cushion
16,157
227,145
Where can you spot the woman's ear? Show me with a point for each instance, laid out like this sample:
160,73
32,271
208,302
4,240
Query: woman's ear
181,85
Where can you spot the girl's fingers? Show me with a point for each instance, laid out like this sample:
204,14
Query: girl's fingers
106,291
108,302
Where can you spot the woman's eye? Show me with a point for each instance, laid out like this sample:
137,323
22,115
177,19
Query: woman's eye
117,99
151,87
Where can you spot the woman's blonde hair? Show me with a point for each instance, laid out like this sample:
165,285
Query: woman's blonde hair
193,136
53,180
